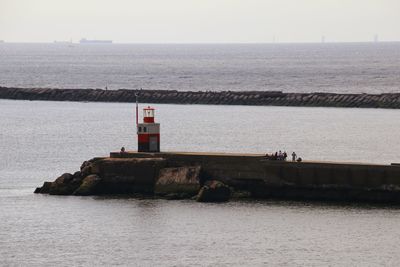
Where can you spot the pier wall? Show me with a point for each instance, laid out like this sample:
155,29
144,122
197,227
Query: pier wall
256,98
291,180
127,175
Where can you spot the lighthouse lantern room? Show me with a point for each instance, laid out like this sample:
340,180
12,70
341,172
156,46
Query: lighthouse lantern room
148,132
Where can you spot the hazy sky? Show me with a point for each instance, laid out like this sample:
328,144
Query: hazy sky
188,21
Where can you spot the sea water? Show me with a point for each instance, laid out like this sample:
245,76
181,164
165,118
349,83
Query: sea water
328,67
41,140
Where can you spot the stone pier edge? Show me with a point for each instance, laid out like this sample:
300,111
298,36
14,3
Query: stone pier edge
251,98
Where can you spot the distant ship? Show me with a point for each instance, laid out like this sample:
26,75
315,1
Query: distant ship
85,41
63,42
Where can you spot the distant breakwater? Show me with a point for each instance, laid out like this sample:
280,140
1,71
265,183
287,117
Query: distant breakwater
254,98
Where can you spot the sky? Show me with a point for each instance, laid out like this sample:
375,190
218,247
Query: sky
200,21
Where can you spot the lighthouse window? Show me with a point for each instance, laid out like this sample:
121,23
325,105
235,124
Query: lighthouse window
149,112
140,129
144,129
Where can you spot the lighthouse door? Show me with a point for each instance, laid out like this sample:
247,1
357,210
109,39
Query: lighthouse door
153,144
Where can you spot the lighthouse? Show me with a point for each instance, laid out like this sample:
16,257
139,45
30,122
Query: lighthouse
148,132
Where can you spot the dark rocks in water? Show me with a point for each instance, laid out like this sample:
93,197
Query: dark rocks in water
65,178
45,189
86,168
84,164
142,175
108,176
68,184
77,175
214,191
64,185
182,182
37,190
88,186
77,178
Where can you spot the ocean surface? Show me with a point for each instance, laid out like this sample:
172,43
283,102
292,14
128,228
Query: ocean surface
329,67
41,140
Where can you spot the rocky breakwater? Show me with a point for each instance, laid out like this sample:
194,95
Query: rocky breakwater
259,98
145,176
81,183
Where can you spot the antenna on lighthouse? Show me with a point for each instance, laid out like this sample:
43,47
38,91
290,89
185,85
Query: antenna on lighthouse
137,109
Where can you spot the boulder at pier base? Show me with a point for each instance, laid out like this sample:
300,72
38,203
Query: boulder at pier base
214,191
44,189
66,184
178,183
88,186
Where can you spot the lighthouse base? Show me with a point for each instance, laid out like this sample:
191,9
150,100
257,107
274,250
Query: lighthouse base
148,142
151,146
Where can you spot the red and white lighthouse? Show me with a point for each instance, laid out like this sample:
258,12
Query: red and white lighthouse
148,132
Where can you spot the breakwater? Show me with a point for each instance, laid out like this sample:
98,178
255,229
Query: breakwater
217,177
259,98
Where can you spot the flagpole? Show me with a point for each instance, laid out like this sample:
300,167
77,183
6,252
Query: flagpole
137,110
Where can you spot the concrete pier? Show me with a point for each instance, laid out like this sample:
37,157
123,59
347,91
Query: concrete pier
182,174
291,180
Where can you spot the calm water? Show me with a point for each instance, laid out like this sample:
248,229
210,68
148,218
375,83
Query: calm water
349,68
40,140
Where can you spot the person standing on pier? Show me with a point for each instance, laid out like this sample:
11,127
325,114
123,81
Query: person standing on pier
294,156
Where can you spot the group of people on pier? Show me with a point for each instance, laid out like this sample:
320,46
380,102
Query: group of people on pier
279,155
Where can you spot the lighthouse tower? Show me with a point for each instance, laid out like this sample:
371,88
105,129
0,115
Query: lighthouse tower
148,132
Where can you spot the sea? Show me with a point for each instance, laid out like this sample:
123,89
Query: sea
40,140
328,67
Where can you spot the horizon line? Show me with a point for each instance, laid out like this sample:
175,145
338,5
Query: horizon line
191,43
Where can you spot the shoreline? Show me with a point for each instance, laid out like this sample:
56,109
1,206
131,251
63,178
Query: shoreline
248,98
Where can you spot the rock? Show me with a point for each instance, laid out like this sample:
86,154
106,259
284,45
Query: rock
64,185
88,186
84,164
86,170
65,178
77,174
181,181
44,189
77,177
214,191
